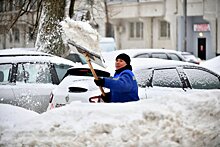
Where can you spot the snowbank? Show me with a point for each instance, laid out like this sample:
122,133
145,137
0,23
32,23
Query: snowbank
178,120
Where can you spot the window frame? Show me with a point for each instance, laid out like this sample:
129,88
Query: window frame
164,25
136,32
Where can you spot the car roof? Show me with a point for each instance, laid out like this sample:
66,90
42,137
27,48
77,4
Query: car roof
133,52
34,58
144,63
155,62
21,52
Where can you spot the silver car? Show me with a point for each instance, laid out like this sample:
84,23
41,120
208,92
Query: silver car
28,77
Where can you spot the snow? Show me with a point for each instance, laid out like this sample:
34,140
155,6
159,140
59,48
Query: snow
212,64
180,120
82,33
177,120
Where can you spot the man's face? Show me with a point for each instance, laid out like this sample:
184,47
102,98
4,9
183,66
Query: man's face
119,63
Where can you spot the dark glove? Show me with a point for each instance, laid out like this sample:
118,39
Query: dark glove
99,82
106,98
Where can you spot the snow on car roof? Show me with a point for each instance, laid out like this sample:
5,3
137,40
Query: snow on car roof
21,51
133,52
140,63
52,59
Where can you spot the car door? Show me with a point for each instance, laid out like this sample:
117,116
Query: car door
158,82
33,86
6,84
165,81
200,78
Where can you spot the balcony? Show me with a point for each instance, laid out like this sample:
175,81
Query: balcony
119,9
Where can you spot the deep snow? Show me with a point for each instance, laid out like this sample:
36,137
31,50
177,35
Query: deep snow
177,120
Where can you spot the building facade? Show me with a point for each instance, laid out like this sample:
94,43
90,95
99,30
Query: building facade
136,23
161,24
22,33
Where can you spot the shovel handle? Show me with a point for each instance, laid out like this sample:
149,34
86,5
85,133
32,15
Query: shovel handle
93,72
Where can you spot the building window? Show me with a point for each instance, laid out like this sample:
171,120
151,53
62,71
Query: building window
11,5
164,29
2,6
136,30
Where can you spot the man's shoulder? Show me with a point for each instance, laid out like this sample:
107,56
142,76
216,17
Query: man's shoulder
127,71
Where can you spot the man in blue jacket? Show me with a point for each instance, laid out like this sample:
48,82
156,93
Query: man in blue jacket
123,86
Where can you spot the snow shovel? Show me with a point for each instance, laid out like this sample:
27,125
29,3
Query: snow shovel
89,56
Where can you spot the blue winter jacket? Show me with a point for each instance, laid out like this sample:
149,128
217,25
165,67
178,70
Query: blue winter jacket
123,87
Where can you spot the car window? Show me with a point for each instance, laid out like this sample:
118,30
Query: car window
86,72
174,57
159,55
76,58
167,78
200,79
5,72
143,77
143,56
33,73
61,70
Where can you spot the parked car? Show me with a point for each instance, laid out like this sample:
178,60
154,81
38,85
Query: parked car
191,58
77,85
27,77
163,76
166,54
154,76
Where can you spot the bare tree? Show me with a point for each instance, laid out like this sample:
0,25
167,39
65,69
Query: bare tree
108,26
17,10
50,33
47,15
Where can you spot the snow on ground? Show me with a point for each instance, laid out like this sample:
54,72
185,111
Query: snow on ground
177,120
212,64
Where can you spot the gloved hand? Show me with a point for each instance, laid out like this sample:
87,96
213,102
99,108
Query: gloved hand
106,98
99,82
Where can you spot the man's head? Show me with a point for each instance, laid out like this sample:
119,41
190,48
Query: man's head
122,60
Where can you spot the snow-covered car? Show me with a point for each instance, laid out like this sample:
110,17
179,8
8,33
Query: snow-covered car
155,77
191,58
27,77
160,77
77,85
166,54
